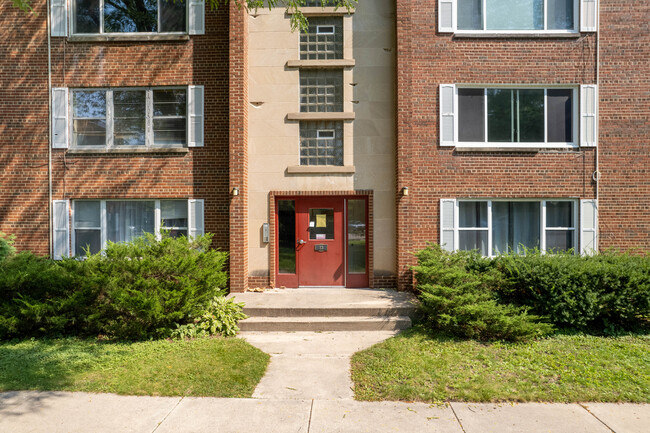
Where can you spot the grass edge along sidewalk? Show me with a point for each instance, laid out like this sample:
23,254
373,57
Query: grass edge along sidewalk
212,366
420,366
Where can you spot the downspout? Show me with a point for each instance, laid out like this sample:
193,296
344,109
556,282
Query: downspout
49,132
596,175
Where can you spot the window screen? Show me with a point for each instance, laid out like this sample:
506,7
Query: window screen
170,117
321,91
560,115
89,117
129,114
323,39
471,110
321,143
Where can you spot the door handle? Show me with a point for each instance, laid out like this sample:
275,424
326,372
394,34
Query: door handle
301,242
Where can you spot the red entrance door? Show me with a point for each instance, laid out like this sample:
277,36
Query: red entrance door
319,241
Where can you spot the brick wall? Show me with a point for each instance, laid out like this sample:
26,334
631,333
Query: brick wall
199,173
24,127
238,146
427,59
624,194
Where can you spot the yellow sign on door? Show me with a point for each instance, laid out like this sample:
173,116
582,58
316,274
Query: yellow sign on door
321,220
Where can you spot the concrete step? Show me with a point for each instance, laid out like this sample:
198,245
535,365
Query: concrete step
333,311
316,323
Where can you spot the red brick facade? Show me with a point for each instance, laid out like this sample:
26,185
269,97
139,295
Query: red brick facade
201,172
427,59
617,58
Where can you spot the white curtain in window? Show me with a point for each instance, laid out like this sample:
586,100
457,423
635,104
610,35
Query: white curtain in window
126,220
515,225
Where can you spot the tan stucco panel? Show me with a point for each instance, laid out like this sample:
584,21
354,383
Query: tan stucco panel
369,146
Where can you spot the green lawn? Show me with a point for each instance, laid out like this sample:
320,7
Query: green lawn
216,367
418,366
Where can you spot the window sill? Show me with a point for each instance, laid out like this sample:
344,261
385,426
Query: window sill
320,169
321,116
129,37
320,11
119,150
321,64
536,35
533,149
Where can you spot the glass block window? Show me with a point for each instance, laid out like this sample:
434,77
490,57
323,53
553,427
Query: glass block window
321,91
321,143
323,39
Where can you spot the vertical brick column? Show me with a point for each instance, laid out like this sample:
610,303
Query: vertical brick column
403,150
238,148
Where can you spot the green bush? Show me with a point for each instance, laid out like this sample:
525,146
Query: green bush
458,295
135,290
220,317
6,246
41,297
606,293
149,285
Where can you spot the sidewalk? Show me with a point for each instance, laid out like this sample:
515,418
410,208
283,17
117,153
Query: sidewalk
60,412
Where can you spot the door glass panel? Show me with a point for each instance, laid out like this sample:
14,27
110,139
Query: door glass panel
357,236
321,224
287,236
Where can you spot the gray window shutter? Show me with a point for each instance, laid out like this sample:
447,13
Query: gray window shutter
588,15
448,224
446,16
589,115
197,17
589,226
60,229
195,211
60,117
195,116
447,115
59,17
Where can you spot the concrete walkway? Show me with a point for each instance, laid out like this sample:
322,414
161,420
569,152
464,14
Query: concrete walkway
60,412
310,365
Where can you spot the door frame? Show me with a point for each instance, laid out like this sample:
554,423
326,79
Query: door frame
274,196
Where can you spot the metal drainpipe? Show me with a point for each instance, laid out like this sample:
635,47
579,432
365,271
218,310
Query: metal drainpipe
49,132
596,175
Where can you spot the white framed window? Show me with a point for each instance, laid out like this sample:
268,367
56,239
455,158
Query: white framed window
476,116
127,16
513,16
496,226
129,117
95,222
325,30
